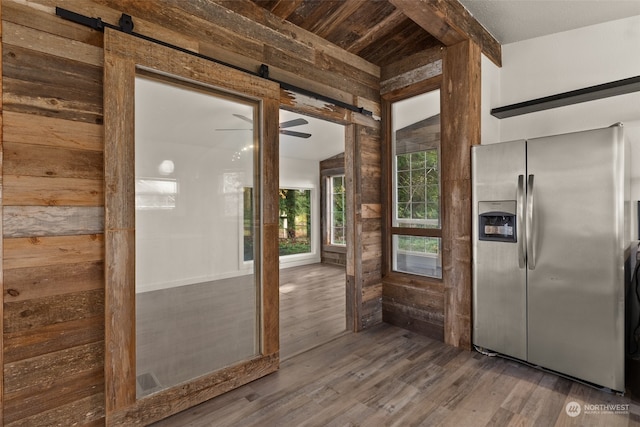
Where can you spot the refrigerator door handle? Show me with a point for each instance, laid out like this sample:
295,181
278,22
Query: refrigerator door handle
529,227
522,248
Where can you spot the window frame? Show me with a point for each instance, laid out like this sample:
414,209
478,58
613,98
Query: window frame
330,211
324,206
388,182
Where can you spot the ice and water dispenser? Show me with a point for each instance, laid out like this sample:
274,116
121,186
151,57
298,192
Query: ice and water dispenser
497,221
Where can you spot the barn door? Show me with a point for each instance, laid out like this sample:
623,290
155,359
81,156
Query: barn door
191,265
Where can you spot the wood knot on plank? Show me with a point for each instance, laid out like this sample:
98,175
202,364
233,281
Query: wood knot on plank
34,240
26,313
13,292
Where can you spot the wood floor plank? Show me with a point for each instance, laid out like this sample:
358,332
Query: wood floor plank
312,306
387,376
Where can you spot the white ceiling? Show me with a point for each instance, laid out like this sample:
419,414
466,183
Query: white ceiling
511,21
326,140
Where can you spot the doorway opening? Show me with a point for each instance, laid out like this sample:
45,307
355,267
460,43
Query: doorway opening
313,280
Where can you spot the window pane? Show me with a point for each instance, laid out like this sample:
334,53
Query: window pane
416,183
295,221
417,255
416,169
196,302
336,215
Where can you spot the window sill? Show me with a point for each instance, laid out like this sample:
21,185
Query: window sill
335,248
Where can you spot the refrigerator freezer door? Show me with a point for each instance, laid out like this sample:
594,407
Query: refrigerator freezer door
499,283
576,290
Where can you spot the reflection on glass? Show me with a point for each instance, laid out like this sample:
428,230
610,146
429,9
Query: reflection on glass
196,300
156,193
418,255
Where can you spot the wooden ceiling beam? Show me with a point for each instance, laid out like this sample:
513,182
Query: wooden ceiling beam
377,31
284,9
333,21
450,23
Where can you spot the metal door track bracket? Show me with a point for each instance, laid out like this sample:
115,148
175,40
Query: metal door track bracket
126,23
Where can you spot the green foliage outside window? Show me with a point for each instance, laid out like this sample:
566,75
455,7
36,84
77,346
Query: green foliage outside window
295,222
427,245
418,189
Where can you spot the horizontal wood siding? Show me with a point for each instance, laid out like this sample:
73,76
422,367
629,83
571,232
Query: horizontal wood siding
417,308
53,179
53,269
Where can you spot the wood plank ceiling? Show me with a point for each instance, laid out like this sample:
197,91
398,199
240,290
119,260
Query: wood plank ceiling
372,29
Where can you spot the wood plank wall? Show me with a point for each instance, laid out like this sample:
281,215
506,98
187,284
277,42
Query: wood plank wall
53,201
53,190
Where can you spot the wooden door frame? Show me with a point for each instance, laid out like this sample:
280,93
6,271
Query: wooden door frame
357,127
123,55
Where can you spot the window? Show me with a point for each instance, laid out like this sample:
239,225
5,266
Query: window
418,189
295,222
336,214
416,234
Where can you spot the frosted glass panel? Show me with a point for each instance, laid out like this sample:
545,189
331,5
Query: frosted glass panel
196,300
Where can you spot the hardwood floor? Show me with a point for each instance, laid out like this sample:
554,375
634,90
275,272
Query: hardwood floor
312,307
387,376
188,331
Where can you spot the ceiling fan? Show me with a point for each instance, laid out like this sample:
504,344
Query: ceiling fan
283,126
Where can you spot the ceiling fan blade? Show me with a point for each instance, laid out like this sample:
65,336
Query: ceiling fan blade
245,118
294,122
294,133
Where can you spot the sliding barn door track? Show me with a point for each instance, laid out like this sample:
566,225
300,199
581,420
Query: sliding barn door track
126,25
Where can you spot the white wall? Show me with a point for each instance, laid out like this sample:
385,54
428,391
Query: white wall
567,61
563,62
490,126
559,63
173,252
199,240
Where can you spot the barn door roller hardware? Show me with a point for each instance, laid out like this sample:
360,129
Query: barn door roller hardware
126,26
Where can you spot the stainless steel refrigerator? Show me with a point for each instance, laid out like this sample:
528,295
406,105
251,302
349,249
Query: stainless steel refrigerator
551,228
